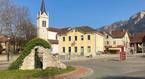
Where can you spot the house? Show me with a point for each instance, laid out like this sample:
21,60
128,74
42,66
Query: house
3,43
80,41
115,40
138,43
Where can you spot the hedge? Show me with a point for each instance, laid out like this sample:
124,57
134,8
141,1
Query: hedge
27,49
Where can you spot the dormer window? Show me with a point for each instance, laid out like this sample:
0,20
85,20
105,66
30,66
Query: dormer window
43,23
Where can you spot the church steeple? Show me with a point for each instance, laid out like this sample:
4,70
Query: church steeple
42,9
42,22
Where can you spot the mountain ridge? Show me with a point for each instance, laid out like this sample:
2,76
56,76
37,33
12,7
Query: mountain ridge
134,24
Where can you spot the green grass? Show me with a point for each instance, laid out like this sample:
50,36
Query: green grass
30,74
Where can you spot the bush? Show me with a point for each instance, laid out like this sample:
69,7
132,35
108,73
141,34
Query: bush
27,49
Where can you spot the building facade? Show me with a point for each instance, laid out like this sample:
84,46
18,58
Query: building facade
81,41
138,43
115,40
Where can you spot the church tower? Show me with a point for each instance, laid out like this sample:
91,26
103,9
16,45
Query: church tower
42,22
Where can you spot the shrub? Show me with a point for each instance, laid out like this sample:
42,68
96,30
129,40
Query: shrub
27,49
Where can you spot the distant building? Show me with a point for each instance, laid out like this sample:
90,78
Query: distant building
80,41
115,40
138,43
3,43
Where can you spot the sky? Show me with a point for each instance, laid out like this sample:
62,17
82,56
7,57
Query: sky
93,13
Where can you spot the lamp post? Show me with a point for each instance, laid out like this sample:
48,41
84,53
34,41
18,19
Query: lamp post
7,50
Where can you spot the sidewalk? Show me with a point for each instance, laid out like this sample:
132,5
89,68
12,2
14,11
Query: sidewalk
4,64
97,57
103,56
4,58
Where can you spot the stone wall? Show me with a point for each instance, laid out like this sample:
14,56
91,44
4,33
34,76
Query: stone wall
29,61
47,59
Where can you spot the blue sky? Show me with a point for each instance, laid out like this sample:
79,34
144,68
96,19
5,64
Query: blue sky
94,13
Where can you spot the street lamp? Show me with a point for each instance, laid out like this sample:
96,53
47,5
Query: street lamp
7,50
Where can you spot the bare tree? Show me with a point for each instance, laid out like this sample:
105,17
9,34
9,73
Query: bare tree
16,23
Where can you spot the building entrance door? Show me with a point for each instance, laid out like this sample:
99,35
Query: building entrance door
82,51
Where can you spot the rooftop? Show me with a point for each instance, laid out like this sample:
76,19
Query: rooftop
138,37
117,33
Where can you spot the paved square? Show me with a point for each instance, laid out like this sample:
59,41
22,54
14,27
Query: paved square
133,68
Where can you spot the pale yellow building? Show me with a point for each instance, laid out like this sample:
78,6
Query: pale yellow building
80,41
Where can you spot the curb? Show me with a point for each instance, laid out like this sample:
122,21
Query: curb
98,57
90,72
72,75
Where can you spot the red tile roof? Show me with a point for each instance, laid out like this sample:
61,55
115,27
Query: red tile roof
59,31
138,38
54,29
83,29
64,30
118,33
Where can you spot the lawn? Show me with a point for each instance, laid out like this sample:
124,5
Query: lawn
33,74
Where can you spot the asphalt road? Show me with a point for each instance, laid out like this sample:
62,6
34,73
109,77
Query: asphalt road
133,68
108,68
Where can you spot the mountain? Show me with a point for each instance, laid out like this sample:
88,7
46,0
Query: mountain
135,24
114,26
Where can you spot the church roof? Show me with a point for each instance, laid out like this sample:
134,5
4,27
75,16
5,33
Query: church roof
54,29
42,9
58,30
53,41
